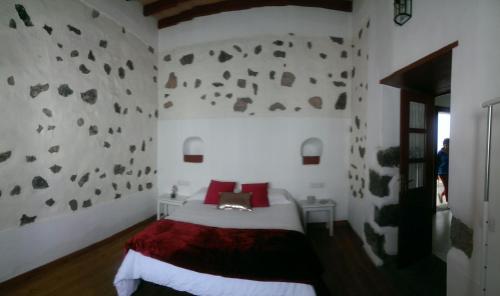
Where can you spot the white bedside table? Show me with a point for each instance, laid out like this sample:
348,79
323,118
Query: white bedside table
165,204
319,205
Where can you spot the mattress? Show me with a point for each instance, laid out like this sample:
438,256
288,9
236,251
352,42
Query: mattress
136,266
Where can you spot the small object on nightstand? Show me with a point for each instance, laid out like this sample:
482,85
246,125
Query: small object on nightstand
173,194
166,204
311,199
318,205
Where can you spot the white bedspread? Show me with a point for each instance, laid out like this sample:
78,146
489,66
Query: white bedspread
136,266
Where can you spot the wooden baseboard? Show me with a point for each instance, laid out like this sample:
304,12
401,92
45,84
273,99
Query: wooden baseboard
51,265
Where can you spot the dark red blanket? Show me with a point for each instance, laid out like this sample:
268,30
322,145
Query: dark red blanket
256,254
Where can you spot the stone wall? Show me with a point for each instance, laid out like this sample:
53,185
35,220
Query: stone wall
78,115
359,76
286,75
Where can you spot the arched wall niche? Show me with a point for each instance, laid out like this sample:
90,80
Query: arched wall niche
311,151
193,150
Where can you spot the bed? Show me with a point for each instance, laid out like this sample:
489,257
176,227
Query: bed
282,214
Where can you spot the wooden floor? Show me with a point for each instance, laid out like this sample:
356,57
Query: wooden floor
348,271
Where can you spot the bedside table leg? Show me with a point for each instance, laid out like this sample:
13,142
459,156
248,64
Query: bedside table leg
157,211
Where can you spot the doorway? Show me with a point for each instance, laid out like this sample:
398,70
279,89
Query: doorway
420,83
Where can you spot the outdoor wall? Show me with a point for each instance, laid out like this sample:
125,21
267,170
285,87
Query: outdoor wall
78,129
254,85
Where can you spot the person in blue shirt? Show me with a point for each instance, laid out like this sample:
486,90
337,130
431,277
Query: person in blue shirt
442,168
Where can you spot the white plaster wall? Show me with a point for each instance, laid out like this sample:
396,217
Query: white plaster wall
129,15
263,150
303,21
30,54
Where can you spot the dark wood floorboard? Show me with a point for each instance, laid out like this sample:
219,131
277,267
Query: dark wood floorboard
348,270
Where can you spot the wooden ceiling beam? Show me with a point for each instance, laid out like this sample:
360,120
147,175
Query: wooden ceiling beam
159,6
235,5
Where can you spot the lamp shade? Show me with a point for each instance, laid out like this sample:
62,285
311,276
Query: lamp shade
402,11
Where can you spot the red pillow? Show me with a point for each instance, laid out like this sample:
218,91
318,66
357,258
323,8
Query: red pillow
217,187
259,194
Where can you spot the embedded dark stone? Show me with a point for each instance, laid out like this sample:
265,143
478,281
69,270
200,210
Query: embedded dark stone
226,75
242,104
64,90
217,94
5,155
29,158
12,24
461,236
83,179
277,106
271,75
238,49
50,202
24,16
389,157
379,185
128,91
97,191
59,45
93,130
172,81
10,80
387,215
39,183
279,54
37,89
138,109
73,178
338,40
359,52
74,53
278,43
140,188
16,190
229,95
323,55
362,151
312,80
147,170
297,109
353,72
91,56
211,52
121,72
341,101
143,146
118,169
80,122
197,83
25,219
118,108
339,83
102,176
212,103
344,74
156,113
55,169
107,68
168,104
139,173
316,102
130,65
241,83
357,121
89,96
84,69
287,79
167,58
118,195
151,49
257,49
375,241
103,43
74,30
255,88
115,186
343,54
47,112
149,185
224,56
128,185
95,13
87,203
73,204
252,73
39,129
119,130
48,29
107,144
360,33
54,149
218,84
187,59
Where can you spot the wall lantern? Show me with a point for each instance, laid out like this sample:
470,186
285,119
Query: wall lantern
402,11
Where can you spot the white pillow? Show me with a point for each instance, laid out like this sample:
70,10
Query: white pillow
278,196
